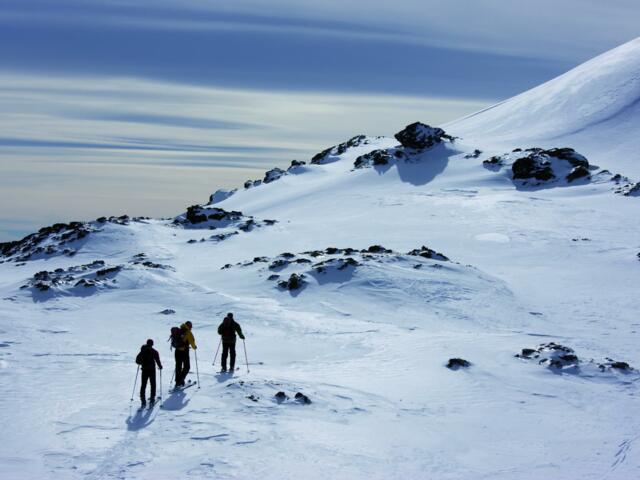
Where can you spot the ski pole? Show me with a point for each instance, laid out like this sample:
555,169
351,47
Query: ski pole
217,350
197,371
245,354
160,385
134,383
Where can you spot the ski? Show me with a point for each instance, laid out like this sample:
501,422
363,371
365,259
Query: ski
177,389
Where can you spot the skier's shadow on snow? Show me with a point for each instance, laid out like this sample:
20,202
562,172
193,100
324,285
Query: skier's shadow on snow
141,419
176,401
223,377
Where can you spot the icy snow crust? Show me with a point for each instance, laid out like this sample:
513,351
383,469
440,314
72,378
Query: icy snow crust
527,269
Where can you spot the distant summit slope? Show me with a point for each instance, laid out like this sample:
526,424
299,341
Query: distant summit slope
594,108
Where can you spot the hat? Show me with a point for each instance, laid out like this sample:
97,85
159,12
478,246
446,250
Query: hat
188,324
150,342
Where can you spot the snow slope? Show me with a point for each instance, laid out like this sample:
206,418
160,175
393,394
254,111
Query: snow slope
366,339
594,108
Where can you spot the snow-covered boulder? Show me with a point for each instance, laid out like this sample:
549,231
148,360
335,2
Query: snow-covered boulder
420,136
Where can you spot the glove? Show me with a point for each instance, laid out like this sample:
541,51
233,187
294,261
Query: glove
160,368
242,337
195,348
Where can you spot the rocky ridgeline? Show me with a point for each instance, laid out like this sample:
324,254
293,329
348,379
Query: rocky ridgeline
414,139
559,357
329,155
213,218
276,173
58,239
332,154
539,167
330,261
83,280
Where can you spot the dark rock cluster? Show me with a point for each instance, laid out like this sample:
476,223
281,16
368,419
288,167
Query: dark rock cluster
299,397
295,282
419,136
626,187
88,276
552,354
426,252
273,175
276,174
329,155
558,357
537,166
319,263
609,364
414,139
212,218
457,363
58,239
376,158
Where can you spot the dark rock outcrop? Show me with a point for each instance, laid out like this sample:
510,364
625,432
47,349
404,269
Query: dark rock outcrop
426,252
302,398
420,136
457,363
476,153
58,239
374,158
295,282
529,167
273,175
281,397
328,155
546,165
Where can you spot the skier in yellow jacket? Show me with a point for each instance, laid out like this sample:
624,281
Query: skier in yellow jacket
183,362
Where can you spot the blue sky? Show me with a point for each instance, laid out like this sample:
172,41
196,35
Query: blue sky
145,107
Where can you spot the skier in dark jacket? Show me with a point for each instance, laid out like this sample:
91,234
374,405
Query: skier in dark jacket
227,330
147,359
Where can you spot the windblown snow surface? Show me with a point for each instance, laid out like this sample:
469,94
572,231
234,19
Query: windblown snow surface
532,265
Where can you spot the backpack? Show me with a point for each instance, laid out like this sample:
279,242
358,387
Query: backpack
177,337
